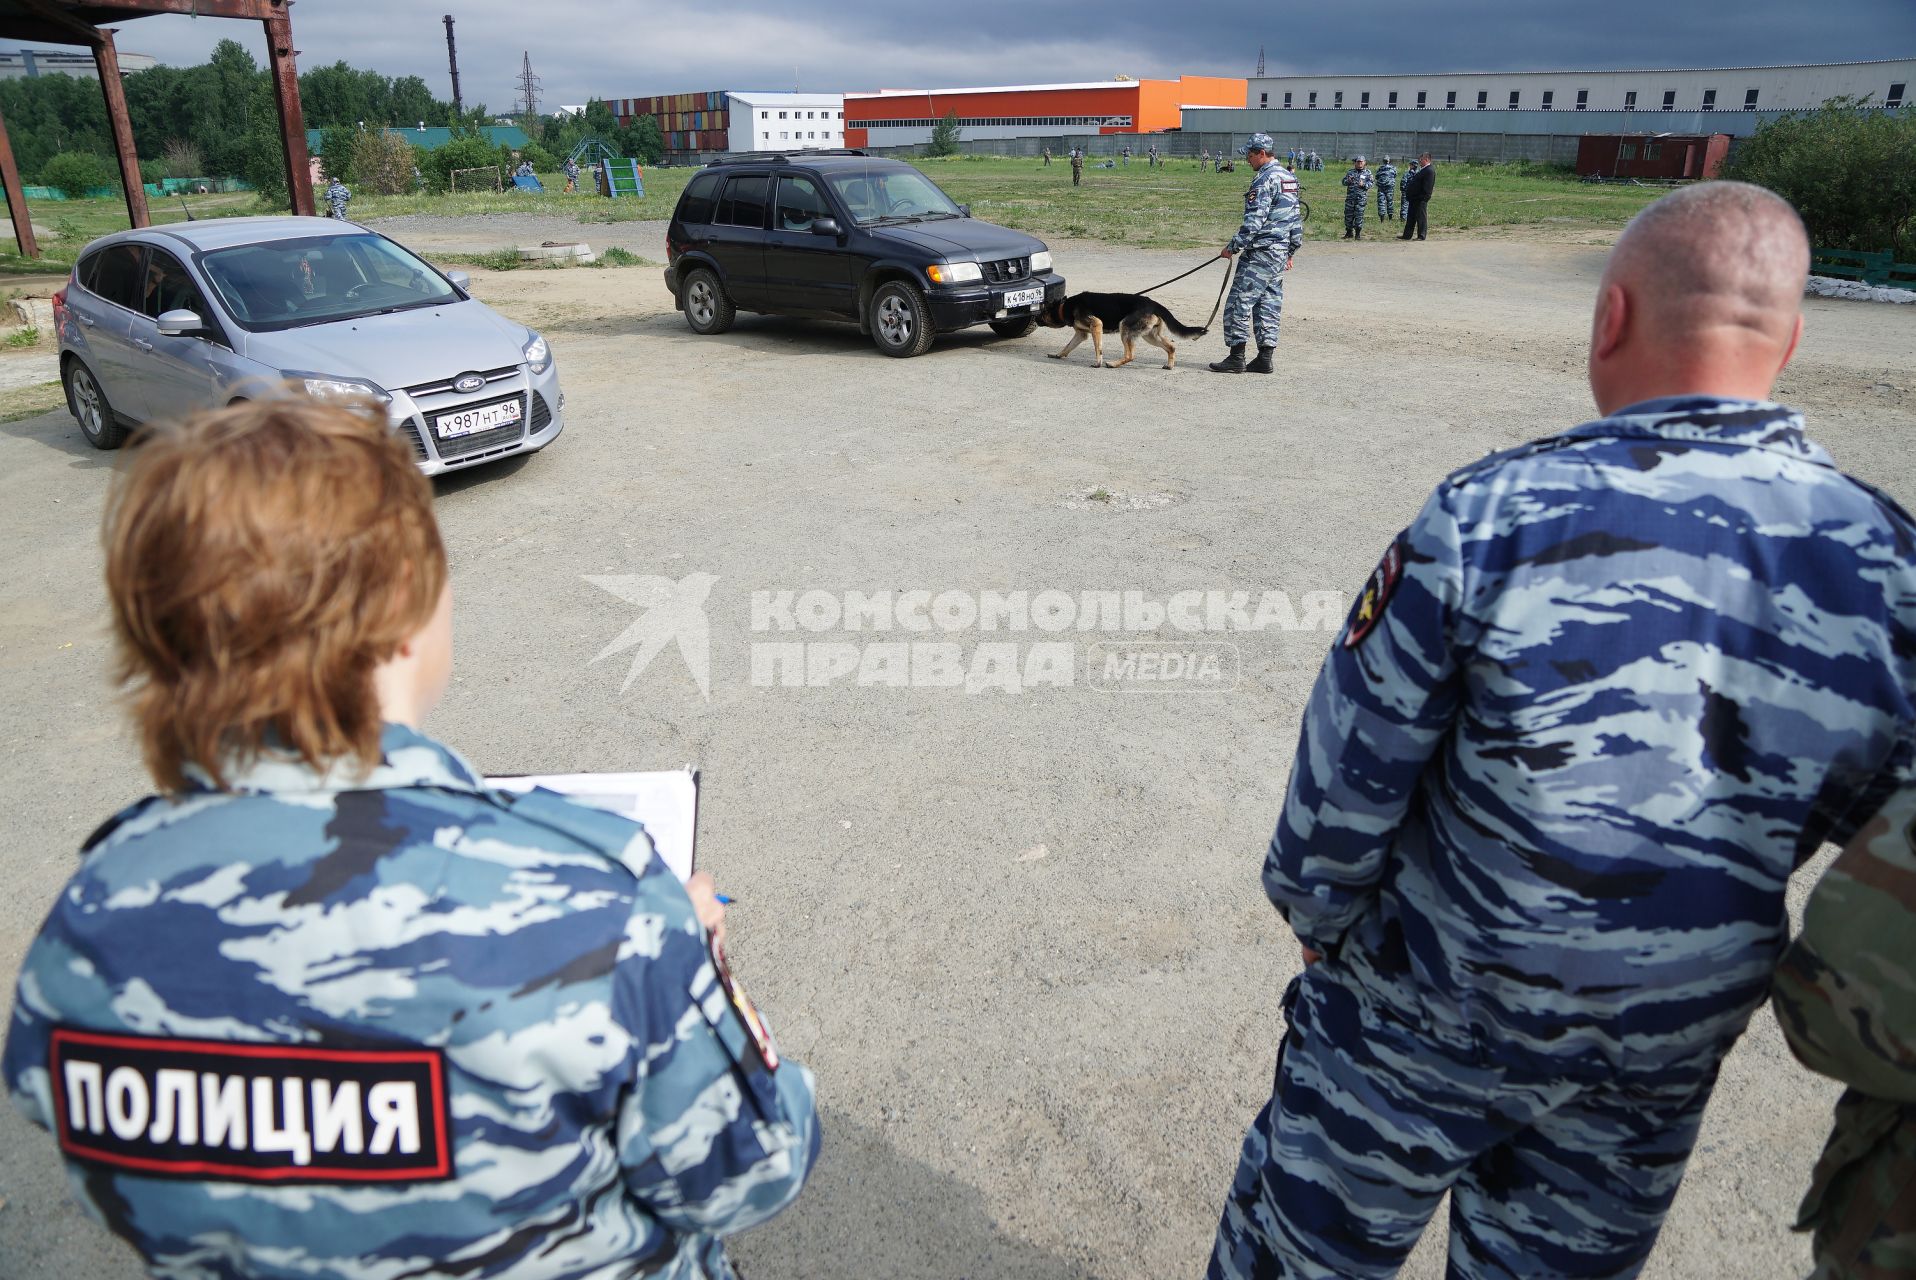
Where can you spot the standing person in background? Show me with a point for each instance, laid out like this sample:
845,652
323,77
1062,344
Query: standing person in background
473,1033
1269,237
571,174
1077,165
1417,195
1386,190
1204,159
1845,996
337,197
1553,780
1403,188
1357,182
1047,157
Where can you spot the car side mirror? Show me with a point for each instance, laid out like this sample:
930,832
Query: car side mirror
180,323
965,209
460,280
825,226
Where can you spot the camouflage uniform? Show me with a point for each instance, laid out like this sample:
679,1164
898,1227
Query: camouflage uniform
555,1081
1846,996
1356,183
1403,186
336,197
1592,709
1386,190
1272,231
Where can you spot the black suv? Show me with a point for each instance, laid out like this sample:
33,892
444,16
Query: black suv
839,235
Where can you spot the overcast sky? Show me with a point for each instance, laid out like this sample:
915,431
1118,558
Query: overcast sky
600,48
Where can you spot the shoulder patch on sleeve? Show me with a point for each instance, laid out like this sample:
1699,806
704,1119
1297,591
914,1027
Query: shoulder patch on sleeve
1376,594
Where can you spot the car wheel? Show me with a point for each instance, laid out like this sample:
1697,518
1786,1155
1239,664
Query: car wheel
1015,326
901,322
707,309
90,408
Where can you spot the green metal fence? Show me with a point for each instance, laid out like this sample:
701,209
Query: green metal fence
1870,268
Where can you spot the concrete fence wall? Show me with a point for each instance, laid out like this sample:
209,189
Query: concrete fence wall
1446,145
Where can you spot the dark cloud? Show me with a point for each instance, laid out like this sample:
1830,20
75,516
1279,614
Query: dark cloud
584,48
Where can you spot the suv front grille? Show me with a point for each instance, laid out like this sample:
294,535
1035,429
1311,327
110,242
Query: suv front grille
1005,270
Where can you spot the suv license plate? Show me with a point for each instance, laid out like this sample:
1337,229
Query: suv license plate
1024,297
451,426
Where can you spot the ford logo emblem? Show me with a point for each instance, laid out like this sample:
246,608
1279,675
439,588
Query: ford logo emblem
467,383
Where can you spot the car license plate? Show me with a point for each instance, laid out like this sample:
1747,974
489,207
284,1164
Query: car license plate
1024,297
451,426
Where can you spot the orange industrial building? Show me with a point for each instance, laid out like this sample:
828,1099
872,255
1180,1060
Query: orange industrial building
901,117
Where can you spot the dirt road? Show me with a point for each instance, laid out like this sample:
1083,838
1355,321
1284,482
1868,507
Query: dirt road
1019,935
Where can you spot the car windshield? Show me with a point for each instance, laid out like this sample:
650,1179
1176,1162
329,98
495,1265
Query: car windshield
287,284
878,195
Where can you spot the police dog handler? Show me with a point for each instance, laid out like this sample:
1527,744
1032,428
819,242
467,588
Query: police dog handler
1594,706
1272,233
326,1005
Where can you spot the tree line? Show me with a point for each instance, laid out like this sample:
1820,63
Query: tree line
219,119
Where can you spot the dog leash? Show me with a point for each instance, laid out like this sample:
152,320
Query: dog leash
1229,265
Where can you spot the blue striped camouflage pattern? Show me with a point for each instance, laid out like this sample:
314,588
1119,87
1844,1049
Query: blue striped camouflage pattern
1386,190
1551,783
609,1113
1272,231
1356,183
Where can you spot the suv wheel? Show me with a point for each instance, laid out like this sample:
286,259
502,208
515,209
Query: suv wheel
707,308
901,322
90,408
1014,326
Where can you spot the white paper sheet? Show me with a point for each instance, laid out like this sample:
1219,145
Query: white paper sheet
666,801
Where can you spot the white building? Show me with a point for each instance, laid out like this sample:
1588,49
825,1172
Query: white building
1801,87
18,64
786,121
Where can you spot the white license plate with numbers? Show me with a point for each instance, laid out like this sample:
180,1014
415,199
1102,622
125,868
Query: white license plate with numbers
1024,297
451,426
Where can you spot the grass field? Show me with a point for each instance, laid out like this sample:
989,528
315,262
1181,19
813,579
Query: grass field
1174,207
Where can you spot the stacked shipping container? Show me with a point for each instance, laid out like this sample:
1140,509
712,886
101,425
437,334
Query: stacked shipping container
691,122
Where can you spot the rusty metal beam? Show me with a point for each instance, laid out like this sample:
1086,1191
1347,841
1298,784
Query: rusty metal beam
107,59
77,31
121,10
280,56
16,198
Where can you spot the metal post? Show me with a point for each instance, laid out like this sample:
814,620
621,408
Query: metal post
16,198
107,61
280,56
452,60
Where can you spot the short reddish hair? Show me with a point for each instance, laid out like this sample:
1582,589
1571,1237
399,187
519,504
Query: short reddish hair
262,561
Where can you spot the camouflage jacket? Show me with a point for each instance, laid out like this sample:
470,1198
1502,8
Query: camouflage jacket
323,1026
1356,182
1846,996
1594,706
1386,175
1272,220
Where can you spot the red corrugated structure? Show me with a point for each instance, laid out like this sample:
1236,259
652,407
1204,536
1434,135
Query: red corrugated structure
1652,155
693,123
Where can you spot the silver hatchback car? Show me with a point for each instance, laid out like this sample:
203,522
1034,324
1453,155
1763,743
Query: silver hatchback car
163,321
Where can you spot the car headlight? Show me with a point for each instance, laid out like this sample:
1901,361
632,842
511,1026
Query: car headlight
538,355
321,387
954,272
1041,261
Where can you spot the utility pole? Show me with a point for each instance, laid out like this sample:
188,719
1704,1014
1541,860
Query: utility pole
452,59
528,92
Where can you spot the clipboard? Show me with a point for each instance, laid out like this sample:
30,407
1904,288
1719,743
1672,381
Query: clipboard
665,801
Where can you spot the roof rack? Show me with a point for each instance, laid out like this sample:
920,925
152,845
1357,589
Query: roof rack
782,157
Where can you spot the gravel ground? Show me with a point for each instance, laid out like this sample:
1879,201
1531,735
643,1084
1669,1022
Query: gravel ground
1020,936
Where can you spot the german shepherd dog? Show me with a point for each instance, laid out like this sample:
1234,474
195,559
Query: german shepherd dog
1134,316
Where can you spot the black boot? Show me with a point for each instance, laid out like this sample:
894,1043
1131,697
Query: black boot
1263,362
1233,363
1347,233
1360,233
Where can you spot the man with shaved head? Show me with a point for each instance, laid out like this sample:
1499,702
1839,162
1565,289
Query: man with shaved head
1593,707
